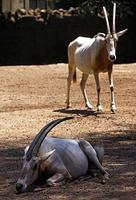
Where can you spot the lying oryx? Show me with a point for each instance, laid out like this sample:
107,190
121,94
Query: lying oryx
92,56
58,159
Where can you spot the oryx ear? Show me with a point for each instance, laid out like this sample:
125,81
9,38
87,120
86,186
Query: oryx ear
47,155
120,33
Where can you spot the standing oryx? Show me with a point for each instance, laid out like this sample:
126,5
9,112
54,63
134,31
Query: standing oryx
58,159
92,56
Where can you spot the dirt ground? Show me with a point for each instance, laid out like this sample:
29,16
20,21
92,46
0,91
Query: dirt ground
31,96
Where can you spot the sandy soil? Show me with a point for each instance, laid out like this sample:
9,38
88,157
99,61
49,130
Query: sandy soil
31,96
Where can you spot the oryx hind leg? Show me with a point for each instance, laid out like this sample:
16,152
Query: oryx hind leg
92,157
82,86
71,76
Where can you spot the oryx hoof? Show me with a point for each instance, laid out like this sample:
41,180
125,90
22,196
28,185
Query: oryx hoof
51,183
105,177
113,108
68,105
90,109
100,109
89,106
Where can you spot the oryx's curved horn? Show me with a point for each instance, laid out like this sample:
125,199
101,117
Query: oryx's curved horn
36,143
114,19
107,21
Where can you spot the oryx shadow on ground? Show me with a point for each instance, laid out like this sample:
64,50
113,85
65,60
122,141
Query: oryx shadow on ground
79,112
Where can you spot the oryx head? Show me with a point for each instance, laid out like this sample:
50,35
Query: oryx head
112,36
31,161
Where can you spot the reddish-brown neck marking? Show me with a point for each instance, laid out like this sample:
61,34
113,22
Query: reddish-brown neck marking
103,64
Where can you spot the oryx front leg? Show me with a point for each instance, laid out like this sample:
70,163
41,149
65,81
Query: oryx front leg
113,107
98,88
82,86
57,179
58,170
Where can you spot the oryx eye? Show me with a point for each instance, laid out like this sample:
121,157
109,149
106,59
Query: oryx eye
106,41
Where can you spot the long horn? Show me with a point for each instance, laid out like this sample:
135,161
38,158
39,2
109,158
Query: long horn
36,143
114,19
107,21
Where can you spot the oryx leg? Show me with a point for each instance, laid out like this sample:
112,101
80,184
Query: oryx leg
69,79
98,88
58,169
113,107
92,157
82,86
56,179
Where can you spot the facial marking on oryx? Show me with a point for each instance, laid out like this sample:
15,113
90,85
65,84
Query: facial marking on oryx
111,47
28,175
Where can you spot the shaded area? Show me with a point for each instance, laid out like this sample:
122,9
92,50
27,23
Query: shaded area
79,112
119,161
